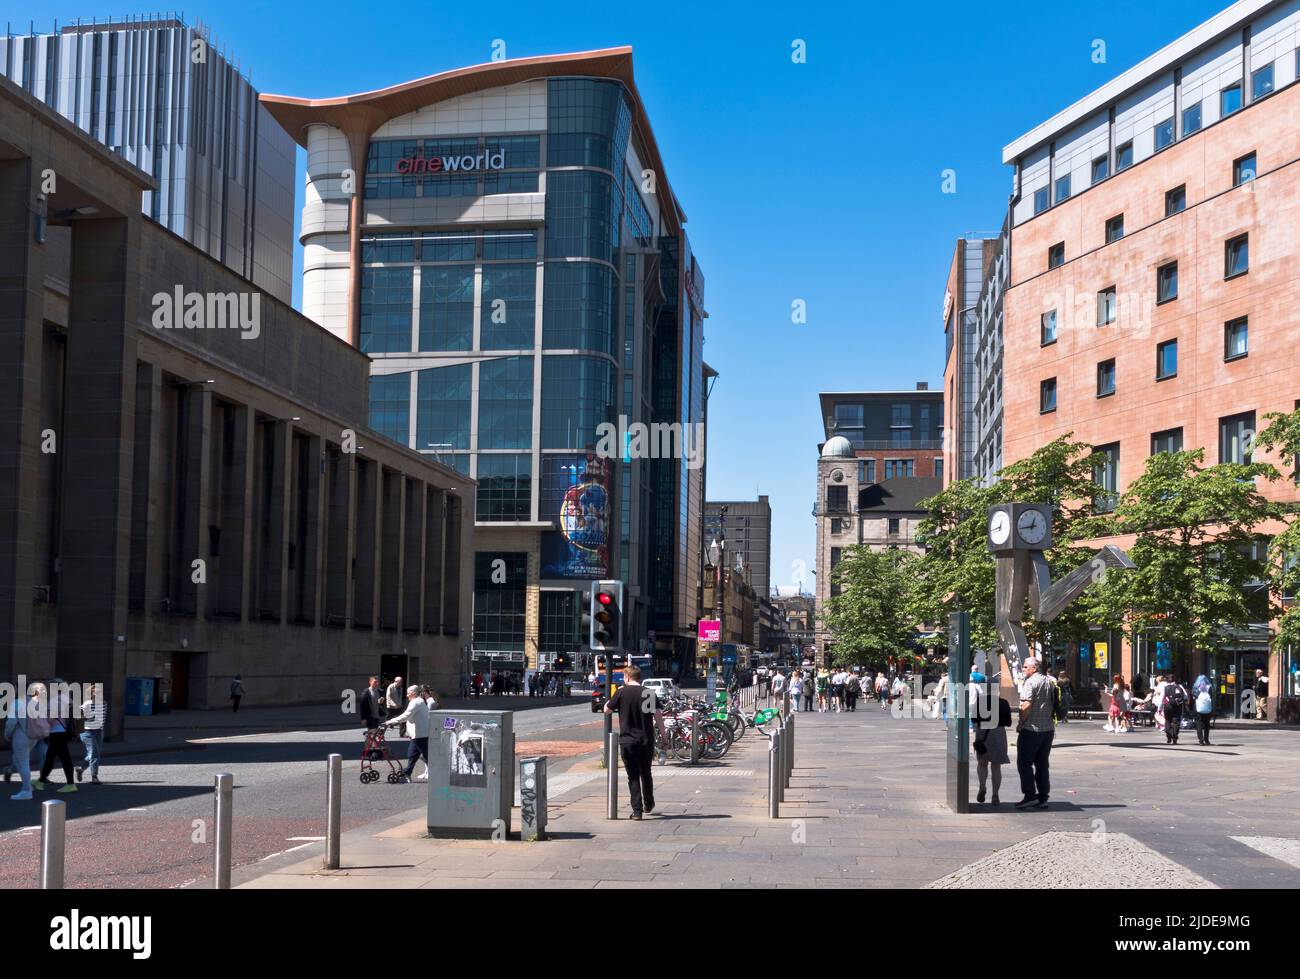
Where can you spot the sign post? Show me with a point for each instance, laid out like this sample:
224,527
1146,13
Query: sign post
958,727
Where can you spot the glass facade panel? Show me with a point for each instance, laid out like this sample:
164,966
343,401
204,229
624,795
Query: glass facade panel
505,487
578,393
447,246
582,215
505,403
580,307
1191,119
508,307
509,245
446,307
390,406
500,608
386,310
443,407
588,121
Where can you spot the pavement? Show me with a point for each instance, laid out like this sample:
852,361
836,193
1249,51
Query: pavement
866,809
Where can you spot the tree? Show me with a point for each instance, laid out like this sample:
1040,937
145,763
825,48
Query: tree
871,616
1283,436
1195,550
957,570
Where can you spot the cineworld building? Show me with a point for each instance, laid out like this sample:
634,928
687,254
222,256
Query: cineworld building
504,242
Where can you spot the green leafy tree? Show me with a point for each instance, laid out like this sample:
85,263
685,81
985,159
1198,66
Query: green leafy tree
1198,567
871,616
1283,436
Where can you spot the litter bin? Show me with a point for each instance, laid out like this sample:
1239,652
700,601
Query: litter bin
139,696
471,773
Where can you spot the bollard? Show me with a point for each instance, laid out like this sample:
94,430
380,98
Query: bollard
333,810
773,781
53,823
780,763
695,737
789,752
223,803
532,798
611,790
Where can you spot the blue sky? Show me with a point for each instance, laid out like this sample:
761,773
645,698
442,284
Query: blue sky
818,181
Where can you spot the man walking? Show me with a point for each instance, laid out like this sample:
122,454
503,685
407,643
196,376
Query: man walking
1034,740
393,696
236,692
416,719
1175,703
636,706
1261,696
372,706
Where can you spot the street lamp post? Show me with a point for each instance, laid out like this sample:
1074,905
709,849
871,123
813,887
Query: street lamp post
717,553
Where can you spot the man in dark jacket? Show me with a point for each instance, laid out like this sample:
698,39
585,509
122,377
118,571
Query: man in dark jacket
372,705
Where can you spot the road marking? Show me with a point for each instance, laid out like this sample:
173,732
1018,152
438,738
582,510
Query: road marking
309,839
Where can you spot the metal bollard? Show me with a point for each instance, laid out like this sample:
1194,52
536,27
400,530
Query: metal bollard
223,804
789,751
53,823
773,780
532,798
333,810
780,763
695,737
611,789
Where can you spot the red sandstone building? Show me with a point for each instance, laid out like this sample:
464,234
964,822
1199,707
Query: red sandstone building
1153,300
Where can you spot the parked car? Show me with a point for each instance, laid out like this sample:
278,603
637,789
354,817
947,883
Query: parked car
663,686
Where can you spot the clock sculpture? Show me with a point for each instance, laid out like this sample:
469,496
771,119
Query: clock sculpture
1019,533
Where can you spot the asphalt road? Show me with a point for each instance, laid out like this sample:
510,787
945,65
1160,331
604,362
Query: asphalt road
150,823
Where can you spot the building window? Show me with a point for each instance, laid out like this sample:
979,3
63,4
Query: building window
1170,440
871,471
504,487
1100,169
386,310
1106,303
1191,119
1047,396
1236,339
837,499
938,469
894,523
1164,133
899,468
1236,256
1056,255
505,403
837,525
1166,359
500,608
443,407
1106,378
1236,434
1048,328
508,307
446,307
1175,200
578,395
1243,170
1062,188
390,406
1115,228
1124,156
580,310
1229,100
1042,200
1167,283
1105,473
1261,82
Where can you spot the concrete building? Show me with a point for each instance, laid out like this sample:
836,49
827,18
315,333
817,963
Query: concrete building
881,457
797,612
1153,292
161,95
972,379
746,526
503,240
191,500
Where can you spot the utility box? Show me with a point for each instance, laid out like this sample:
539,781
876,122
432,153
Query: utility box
471,773
532,798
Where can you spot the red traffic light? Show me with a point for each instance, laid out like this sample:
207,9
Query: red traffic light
605,598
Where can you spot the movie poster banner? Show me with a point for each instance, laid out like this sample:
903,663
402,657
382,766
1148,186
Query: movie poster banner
576,495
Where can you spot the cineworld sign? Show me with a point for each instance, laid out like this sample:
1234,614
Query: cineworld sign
487,160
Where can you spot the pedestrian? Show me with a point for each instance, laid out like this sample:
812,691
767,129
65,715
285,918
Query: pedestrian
882,690
1034,737
990,737
94,712
1067,697
416,721
837,690
941,698
430,698
1175,704
63,728
1204,700
393,696
27,728
371,707
796,689
464,685
1119,717
236,692
778,688
1261,696
823,690
478,684
636,708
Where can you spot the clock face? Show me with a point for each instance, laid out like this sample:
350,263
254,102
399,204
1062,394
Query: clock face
1032,527
1000,528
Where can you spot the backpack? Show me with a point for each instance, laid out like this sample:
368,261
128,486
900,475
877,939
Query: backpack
1059,712
854,686
1175,696
1204,702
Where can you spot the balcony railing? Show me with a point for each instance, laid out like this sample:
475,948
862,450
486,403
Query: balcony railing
884,445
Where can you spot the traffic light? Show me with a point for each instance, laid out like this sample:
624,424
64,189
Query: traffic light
606,615
584,603
561,663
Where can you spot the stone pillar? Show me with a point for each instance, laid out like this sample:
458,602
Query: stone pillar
22,284
434,529
451,624
100,405
192,504
413,557
393,486
144,586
